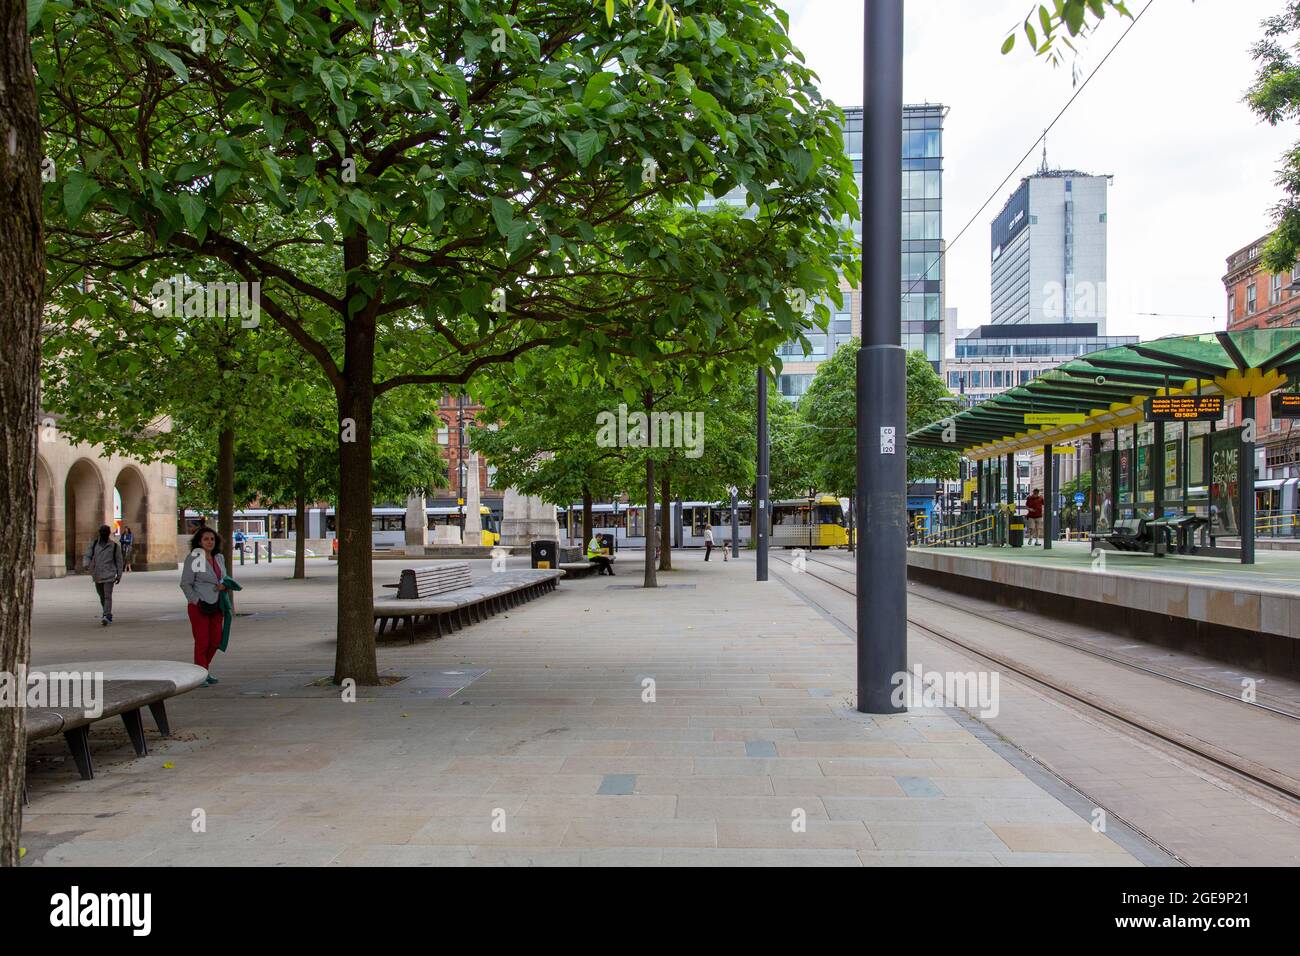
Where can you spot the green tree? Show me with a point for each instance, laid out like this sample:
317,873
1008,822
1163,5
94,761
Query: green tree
1275,98
474,177
829,407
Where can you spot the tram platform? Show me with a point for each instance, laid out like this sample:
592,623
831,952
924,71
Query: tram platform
1247,614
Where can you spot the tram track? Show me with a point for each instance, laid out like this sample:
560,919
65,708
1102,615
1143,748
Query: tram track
1263,778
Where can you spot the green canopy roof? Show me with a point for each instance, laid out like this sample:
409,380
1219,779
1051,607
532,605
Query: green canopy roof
1109,387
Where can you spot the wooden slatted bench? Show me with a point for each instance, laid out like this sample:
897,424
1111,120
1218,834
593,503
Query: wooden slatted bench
452,610
128,686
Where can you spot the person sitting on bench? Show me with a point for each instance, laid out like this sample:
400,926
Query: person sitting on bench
596,555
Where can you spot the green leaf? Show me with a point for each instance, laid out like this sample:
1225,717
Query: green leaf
34,10
588,146
503,214
78,191
170,58
1008,43
246,19
596,85
224,179
192,208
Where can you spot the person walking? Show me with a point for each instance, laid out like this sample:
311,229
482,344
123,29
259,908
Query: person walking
203,577
1034,517
103,559
596,555
708,541
128,543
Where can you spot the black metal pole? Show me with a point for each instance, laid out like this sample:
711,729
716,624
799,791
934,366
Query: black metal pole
758,512
735,525
1246,481
1049,495
882,373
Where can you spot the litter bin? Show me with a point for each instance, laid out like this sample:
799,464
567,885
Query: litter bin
606,543
1016,533
544,555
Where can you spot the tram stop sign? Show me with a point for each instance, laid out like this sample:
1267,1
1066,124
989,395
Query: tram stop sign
1078,498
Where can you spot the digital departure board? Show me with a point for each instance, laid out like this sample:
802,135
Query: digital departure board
1286,404
1184,408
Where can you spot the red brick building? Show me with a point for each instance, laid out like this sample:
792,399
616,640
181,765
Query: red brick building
1258,299
452,412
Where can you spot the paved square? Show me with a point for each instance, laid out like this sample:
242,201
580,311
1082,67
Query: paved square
696,725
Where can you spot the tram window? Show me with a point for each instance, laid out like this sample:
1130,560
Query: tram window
829,514
388,523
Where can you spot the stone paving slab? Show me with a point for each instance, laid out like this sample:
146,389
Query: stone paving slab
554,750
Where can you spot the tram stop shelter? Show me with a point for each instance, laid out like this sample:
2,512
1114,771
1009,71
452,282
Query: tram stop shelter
1150,418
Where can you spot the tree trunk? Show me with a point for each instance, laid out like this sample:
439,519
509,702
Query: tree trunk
354,654
666,530
300,519
650,580
226,495
587,522
22,289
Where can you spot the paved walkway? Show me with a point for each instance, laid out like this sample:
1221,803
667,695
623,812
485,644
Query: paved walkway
531,739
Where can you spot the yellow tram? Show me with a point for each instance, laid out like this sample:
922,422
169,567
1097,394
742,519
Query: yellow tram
814,522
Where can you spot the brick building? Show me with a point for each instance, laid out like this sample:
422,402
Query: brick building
452,411
1258,299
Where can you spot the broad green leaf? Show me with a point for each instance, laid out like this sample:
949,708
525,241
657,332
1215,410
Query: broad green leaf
78,191
588,146
170,58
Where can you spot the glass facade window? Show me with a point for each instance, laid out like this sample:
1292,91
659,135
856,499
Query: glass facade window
793,386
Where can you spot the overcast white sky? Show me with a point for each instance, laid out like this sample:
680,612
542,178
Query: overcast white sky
1194,170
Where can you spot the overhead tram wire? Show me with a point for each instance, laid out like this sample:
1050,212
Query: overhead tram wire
1029,152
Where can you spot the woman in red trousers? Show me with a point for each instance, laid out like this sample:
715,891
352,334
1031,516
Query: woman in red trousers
201,580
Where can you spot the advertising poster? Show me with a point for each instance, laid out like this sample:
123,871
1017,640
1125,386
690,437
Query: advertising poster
1105,501
1196,462
1125,474
1171,468
1224,453
1144,468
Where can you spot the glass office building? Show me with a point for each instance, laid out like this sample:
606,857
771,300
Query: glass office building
921,159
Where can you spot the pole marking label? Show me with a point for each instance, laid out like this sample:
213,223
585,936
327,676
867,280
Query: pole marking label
887,443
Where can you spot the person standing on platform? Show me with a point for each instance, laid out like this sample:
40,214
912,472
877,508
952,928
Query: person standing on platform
1034,517
103,560
708,542
128,542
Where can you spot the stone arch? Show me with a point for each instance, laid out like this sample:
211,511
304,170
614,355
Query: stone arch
133,490
84,508
49,529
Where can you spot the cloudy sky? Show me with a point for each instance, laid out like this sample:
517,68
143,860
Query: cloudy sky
1194,170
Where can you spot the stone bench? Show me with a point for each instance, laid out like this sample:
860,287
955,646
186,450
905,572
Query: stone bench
578,569
128,687
468,605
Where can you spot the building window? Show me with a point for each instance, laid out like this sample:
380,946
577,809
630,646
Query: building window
1232,305
443,434
1275,289
1250,298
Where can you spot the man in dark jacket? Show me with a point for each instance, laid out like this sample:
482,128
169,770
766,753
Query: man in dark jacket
104,562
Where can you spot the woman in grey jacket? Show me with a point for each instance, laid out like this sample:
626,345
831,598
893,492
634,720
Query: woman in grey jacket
201,576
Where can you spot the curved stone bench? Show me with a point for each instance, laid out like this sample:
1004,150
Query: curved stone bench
452,610
128,687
